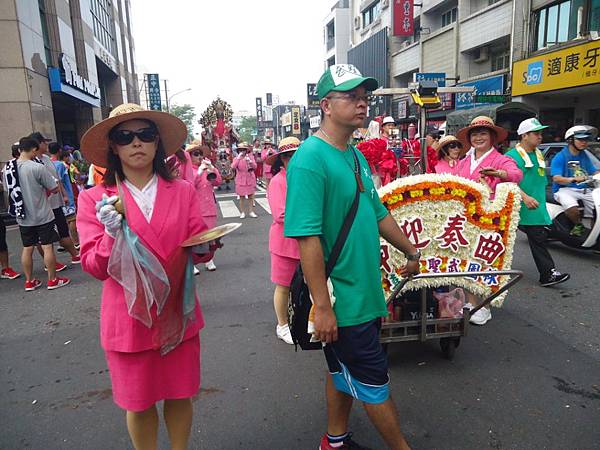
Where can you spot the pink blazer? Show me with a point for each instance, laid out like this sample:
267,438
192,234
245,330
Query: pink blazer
186,170
496,160
442,166
266,167
243,176
175,218
278,244
206,193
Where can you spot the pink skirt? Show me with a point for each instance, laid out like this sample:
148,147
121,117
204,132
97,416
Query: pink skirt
141,379
244,190
282,269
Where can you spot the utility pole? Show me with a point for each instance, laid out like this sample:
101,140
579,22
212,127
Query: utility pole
167,96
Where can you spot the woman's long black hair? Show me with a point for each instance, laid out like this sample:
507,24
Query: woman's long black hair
159,166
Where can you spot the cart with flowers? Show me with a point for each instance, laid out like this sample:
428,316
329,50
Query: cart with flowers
466,242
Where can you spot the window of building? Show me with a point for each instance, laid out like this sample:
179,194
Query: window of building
45,34
556,23
500,60
330,35
491,2
104,26
449,17
371,14
331,61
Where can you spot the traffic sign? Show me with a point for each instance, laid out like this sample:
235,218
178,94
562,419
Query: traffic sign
153,89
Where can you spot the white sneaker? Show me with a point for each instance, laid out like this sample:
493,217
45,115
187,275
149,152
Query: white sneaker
242,215
210,266
196,271
481,317
253,215
283,333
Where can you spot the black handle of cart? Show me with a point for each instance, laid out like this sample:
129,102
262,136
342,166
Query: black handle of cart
449,330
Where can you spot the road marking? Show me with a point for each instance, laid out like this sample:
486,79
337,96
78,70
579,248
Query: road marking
233,195
264,203
229,209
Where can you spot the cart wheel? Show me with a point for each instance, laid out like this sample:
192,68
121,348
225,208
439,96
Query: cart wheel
448,346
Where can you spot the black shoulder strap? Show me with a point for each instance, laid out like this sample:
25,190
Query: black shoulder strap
345,230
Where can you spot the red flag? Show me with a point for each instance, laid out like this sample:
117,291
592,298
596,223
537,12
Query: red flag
404,24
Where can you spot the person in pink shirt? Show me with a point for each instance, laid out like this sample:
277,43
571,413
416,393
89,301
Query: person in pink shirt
285,253
449,152
206,180
487,165
150,337
181,165
245,179
267,151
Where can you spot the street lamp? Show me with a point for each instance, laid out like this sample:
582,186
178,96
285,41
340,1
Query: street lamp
170,97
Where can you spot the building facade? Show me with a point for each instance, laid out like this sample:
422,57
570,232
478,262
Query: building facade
65,64
477,42
336,33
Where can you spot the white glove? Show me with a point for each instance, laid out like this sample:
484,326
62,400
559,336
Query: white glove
108,215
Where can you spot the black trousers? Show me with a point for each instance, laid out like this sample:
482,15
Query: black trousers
537,235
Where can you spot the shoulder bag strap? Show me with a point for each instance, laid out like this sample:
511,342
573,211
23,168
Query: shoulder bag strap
345,230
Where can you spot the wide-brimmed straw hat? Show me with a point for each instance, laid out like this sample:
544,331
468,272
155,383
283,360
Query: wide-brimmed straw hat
193,145
268,141
287,145
243,145
445,141
95,142
482,122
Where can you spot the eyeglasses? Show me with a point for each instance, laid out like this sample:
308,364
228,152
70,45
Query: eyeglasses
454,145
353,97
125,137
196,153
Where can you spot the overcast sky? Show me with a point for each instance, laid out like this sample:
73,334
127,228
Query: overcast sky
236,49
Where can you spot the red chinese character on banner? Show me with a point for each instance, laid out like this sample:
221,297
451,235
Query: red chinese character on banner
385,257
412,228
489,248
453,233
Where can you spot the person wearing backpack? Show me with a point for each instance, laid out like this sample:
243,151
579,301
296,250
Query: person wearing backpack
329,189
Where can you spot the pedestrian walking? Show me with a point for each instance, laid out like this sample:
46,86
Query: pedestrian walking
61,160
325,178
257,152
31,183
485,164
207,178
534,217
245,179
285,254
449,152
150,338
57,200
266,152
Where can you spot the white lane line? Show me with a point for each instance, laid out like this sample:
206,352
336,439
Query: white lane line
229,209
220,196
264,203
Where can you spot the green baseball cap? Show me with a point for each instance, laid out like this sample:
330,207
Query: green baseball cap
342,78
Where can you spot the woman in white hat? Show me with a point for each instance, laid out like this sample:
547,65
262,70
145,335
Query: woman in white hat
285,253
149,332
449,152
245,179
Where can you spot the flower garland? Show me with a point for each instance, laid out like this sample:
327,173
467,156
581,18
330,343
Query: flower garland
428,205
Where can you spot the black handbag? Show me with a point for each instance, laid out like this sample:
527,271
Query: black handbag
299,303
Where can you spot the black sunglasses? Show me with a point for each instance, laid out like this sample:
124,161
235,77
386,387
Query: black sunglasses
196,153
125,137
454,145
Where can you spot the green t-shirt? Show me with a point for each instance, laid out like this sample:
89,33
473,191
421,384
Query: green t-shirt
320,189
534,184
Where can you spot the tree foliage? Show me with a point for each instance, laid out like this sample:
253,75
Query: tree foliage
187,115
247,126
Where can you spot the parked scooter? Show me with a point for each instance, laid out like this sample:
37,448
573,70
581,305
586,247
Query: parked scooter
561,225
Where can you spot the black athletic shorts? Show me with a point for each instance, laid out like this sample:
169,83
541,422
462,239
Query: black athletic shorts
39,234
61,223
3,246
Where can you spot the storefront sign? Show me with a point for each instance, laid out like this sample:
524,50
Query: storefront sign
487,86
402,109
296,129
153,82
259,111
455,226
286,119
573,66
315,122
439,77
403,18
68,81
312,96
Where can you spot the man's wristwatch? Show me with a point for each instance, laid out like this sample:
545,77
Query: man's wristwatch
414,257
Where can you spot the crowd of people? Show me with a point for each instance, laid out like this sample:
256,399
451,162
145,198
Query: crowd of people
135,192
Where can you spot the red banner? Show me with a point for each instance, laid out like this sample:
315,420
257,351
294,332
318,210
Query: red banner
404,24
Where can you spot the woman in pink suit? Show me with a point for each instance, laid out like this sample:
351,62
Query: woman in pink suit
449,152
487,165
207,179
181,165
266,152
151,357
285,253
245,179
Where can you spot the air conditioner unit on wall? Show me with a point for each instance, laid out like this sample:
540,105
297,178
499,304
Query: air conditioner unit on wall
357,23
481,55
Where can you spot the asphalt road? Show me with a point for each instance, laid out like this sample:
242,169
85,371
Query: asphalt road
529,379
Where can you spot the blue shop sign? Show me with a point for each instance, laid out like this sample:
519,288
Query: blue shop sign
440,77
487,86
68,81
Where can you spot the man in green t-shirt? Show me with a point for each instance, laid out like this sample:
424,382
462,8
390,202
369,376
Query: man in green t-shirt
322,179
534,215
